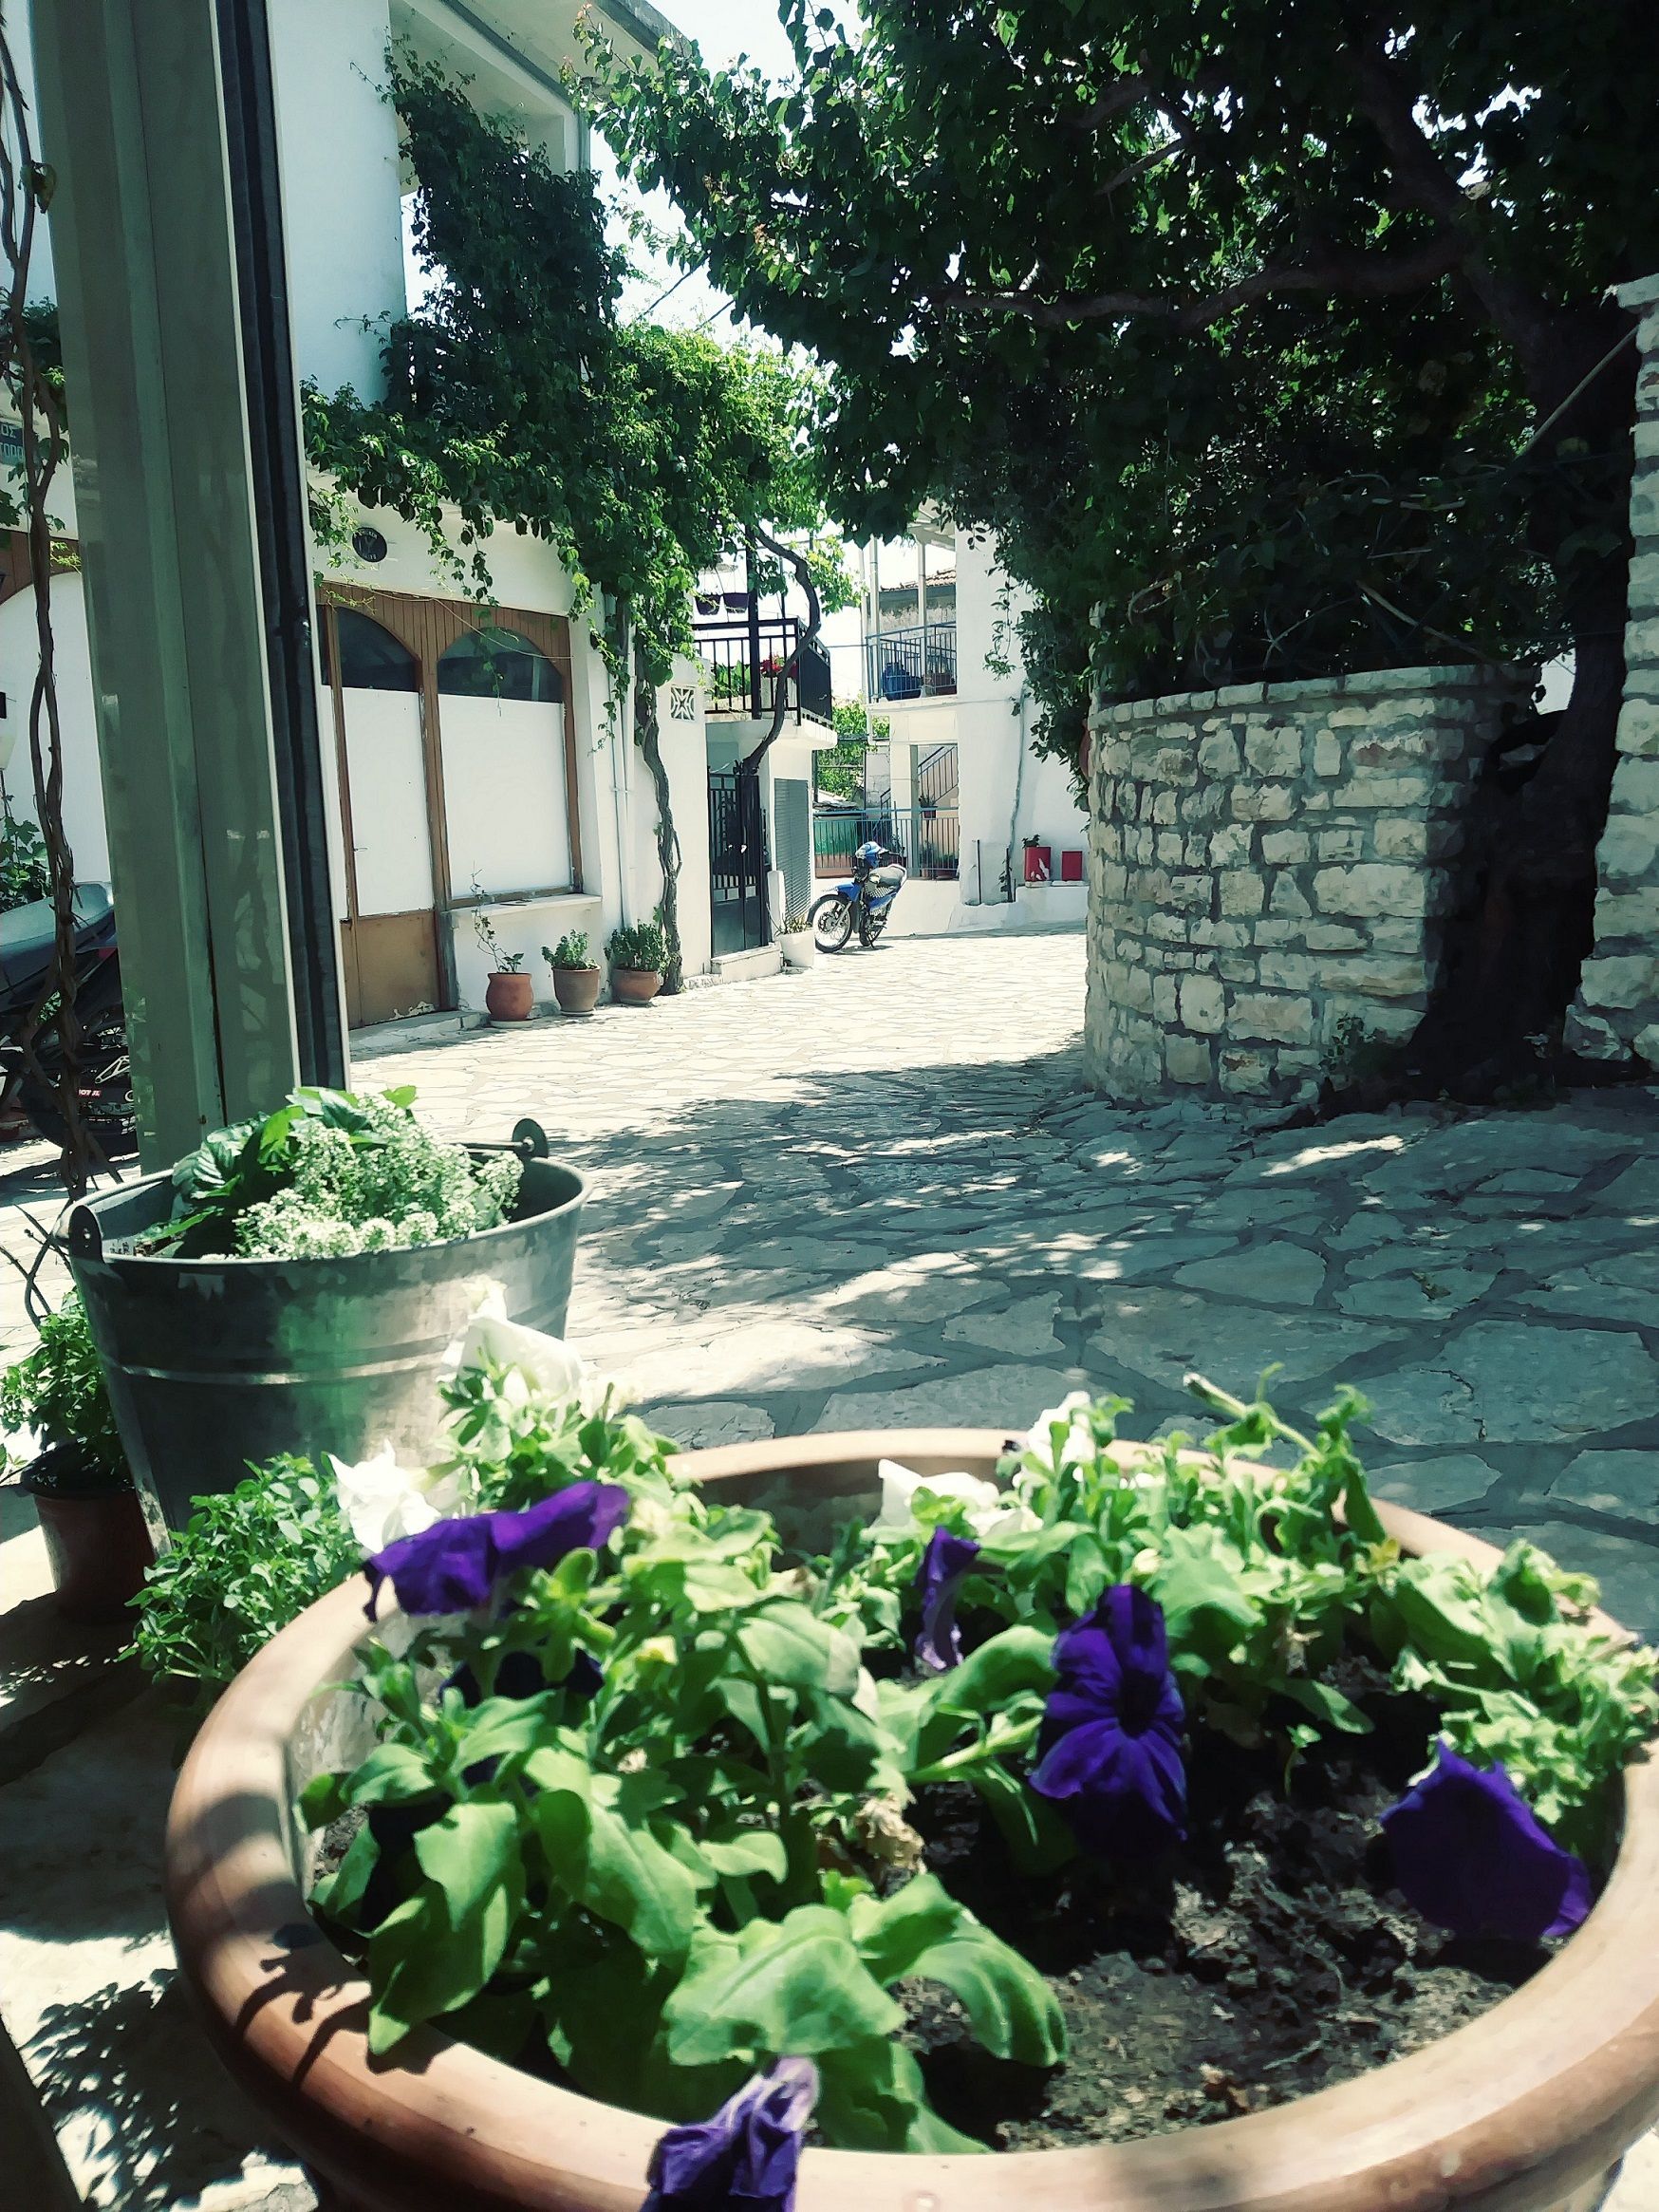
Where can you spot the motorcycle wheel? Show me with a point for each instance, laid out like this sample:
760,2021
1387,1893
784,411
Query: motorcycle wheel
106,1092
830,919
870,927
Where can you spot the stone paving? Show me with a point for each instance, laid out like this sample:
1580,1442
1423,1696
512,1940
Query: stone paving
875,1195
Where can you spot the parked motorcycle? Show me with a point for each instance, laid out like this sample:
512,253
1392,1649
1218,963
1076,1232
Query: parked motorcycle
863,901
106,1069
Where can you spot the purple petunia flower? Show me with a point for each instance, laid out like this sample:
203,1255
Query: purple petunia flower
747,2156
455,1565
945,1567
1470,1855
1111,1738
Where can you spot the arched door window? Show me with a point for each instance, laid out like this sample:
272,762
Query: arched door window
371,659
499,663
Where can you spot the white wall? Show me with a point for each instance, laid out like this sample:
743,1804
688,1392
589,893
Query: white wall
19,666
684,748
337,141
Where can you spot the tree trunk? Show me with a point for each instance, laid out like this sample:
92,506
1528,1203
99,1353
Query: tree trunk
647,737
1529,877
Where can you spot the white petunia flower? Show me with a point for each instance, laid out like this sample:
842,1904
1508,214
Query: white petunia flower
989,1512
1077,1446
383,1501
546,1363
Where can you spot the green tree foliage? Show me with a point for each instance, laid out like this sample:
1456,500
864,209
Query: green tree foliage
1282,334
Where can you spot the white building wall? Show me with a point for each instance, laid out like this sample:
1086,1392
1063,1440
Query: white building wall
337,141
1007,792
19,666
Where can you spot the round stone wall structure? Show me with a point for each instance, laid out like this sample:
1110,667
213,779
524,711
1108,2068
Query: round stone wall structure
1272,868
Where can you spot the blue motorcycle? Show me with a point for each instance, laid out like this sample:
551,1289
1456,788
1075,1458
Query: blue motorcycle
864,899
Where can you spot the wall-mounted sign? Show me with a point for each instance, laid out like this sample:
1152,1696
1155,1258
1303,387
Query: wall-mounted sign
368,544
12,444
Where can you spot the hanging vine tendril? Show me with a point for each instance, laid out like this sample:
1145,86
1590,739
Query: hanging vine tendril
25,189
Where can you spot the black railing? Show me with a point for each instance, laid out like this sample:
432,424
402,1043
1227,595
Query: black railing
927,839
743,659
912,664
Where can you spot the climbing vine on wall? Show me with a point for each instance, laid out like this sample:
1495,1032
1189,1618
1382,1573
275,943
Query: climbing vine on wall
517,395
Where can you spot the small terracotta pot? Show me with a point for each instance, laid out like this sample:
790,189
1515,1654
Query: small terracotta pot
635,987
576,990
98,1548
1525,2109
509,998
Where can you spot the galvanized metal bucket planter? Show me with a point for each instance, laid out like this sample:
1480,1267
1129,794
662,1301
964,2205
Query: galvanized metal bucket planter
215,1363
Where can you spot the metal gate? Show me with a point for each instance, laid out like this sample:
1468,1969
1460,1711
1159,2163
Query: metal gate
737,862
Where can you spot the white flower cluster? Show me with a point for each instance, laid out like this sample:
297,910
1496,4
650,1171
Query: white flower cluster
1061,1438
403,1187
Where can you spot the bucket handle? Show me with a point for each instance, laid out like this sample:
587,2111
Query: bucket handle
530,1141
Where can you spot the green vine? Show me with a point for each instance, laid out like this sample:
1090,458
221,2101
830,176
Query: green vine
516,397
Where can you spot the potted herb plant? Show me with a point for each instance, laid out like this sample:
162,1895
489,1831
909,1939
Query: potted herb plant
638,956
293,1285
795,941
97,1543
576,973
509,994
1077,1823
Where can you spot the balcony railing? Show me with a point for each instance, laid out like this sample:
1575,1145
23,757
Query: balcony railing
926,838
743,659
912,664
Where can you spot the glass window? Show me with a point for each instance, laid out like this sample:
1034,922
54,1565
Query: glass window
497,663
371,659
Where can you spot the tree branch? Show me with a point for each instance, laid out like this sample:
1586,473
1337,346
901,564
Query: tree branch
1331,270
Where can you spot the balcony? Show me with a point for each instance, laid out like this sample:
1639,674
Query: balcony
743,656
912,664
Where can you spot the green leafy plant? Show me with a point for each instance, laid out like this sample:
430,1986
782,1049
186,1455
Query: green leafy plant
641,944
570,951
25,874
795,921
58,1392
248,1562
331,1172
484,930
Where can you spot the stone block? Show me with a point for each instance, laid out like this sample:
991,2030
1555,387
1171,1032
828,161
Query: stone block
1648,1044
1284,847
1271,930
1627,849
1238,967
1230,847
1401,840
1280,1020
1166,807
1208,803
1275,752
1346,844
1263,802
1241,892
1376,975
1204,931
1593,1035
1372,889
1112,881
1218,754
1636,786
1188,1060
1288,971
1135,989
1633,913
1327,754
1287,898
1171,927
1333,937
1247,1074
1619,979
1203,1003
1639,727
1363,792
1171,848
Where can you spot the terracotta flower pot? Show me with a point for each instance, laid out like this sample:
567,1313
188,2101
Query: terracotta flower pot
576,990
1522,2110
509,998
635,987
98,1548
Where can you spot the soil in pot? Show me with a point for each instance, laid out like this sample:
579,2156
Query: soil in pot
1266,1958
509,998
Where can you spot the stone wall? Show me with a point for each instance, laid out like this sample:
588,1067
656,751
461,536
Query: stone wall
1270,873
1617,1010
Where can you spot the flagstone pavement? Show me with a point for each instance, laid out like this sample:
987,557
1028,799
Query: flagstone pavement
878,1194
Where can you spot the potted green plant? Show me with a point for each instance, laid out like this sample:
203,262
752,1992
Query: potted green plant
97,1543
1069,1822
576,973
795,941
638,955
296,1282
509,994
